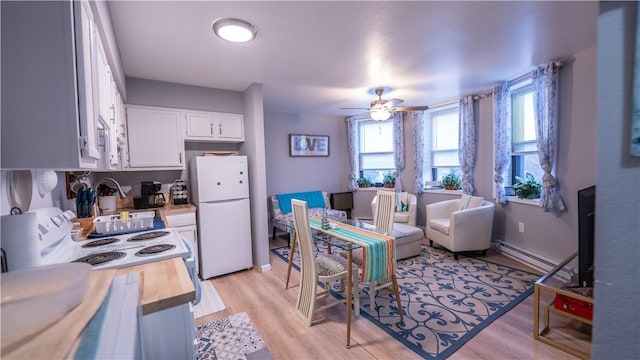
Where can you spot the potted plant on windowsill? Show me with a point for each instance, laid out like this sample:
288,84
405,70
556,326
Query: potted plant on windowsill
363,182
527,188
389,180
451,181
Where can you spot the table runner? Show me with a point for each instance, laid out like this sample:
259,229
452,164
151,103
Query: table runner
379,251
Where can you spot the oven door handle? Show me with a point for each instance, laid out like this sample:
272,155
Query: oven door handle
192,271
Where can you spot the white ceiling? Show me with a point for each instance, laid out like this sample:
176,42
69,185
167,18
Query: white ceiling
314,57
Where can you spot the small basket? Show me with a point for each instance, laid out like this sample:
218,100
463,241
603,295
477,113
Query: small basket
114,224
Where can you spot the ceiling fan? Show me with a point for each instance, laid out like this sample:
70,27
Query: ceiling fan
381,110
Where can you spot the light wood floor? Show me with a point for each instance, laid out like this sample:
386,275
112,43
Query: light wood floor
271,308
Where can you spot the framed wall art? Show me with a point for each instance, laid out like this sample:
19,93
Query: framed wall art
308,145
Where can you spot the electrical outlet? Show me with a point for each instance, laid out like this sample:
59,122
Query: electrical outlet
521,227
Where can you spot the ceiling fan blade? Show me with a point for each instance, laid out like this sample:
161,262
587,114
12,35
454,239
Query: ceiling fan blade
393,102
410,108
350,108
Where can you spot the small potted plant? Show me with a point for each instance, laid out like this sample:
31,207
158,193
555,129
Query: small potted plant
389,180
363,182
527,188
451,181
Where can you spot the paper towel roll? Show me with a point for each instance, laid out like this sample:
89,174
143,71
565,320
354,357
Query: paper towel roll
20,241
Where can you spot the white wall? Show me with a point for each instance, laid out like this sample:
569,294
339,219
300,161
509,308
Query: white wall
617,243
291,174
254,148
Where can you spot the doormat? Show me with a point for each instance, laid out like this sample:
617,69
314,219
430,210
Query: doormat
210,301
445,302
233,337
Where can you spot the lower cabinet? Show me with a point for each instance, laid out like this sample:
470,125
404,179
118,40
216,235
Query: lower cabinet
170,333
185,223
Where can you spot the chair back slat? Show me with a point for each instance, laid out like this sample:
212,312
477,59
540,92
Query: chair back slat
305,305
383,218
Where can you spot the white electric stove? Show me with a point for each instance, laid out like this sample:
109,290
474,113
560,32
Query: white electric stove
119,251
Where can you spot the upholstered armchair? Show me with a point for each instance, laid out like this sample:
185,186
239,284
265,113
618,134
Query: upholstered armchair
406,217
404,221
461,225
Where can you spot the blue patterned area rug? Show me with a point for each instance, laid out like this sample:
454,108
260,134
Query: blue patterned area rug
445,302
231,338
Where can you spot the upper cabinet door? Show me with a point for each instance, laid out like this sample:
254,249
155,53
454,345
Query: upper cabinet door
154,138
214,127
86,53
199,125
47,86
231,127
102,84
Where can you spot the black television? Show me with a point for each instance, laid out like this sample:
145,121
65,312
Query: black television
586,234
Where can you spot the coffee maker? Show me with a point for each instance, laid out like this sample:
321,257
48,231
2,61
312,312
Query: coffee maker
151,195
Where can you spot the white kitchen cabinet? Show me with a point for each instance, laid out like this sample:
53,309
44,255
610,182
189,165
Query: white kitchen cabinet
186,225
47,86
154,138
213,126
170,333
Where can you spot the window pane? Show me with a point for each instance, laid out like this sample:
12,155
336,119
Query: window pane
376,176
445,158
439,173
376,136
523,126
376,161
445,129
524,163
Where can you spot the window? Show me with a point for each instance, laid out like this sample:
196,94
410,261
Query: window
375,149
524,150
444,142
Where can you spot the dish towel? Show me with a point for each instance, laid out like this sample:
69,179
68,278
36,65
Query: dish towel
378,250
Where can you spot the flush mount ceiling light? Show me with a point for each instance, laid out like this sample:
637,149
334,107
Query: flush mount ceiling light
234,30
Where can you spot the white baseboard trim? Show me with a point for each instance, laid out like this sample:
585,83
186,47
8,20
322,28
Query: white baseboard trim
265,268
535,261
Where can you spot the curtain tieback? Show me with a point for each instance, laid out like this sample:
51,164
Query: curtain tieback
549,180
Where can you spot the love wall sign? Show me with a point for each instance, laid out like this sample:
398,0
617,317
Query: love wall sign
308,145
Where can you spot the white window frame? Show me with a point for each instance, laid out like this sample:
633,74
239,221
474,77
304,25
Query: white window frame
527,86
430,139
362,123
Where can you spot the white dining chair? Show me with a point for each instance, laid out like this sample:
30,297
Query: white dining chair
324,268
383,221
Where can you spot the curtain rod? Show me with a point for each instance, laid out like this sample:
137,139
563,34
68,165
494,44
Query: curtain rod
489,92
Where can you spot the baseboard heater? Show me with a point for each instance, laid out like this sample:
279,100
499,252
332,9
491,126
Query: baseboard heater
533,260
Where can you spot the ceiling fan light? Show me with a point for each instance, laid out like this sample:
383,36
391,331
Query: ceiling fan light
380,114
234,30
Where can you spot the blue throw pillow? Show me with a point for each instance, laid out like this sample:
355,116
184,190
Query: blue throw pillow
314,199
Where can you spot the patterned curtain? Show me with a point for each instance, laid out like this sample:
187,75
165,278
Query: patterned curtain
501,138
352,143
467,143
398,147
545,97
417,122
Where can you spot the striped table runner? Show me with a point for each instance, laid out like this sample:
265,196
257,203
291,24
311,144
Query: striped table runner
379,251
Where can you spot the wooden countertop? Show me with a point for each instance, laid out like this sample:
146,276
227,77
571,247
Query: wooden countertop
163,284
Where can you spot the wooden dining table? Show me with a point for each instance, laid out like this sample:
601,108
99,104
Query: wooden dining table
333,237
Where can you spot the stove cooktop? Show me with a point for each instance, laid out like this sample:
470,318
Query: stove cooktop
122,250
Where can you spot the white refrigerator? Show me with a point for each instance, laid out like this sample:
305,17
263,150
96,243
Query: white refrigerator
220,191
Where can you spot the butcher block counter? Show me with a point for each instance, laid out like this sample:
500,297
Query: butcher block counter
163,284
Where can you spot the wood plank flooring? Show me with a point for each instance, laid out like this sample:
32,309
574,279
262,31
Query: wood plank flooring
271,308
